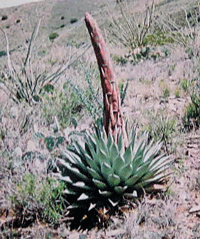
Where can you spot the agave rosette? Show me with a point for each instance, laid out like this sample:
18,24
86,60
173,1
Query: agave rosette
102,172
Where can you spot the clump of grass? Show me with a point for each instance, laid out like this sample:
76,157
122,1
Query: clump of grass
191,117
166,92
177,92
162,128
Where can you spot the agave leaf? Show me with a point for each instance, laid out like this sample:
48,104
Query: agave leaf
74,173
94,173
114,153
128,155
106,170
68,192
101,157
113,180
81,185
120,189
73,206
131,195
91,206
118,164
120,145
83,197
101,185
114,204
160,162
101,144
125,172
150,181
105,193
66,179
91,150
152,152
109,141
92,164
131,181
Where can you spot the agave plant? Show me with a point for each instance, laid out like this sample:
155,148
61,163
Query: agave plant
101,173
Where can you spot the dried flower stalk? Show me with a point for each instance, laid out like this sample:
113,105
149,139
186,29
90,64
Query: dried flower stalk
112,118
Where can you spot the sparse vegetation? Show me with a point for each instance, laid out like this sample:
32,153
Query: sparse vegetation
56,157
53,36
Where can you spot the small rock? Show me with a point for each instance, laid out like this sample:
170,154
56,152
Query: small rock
31,146
14,112
74,235
17,152
195,209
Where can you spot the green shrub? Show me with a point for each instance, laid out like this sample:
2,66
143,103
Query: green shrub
53,142
158,38
73,20
119,59
64,104
3,53
38,199
53,36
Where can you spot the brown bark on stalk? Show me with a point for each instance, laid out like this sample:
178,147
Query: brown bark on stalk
112,118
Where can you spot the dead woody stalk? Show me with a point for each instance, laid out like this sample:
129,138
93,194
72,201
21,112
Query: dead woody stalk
112,118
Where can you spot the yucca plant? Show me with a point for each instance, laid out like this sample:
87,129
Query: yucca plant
101,173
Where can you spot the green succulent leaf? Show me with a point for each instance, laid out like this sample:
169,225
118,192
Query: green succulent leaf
101,185
120,189
105,193
94,173
106,170
118,164
83,197
113,180
125,172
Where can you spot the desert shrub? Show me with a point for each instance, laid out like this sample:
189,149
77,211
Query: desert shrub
120,59
73,20
3,53
89,94
131,29
158,38
53,142
36,198
25,83
65,104
4,17
191,117
53,36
